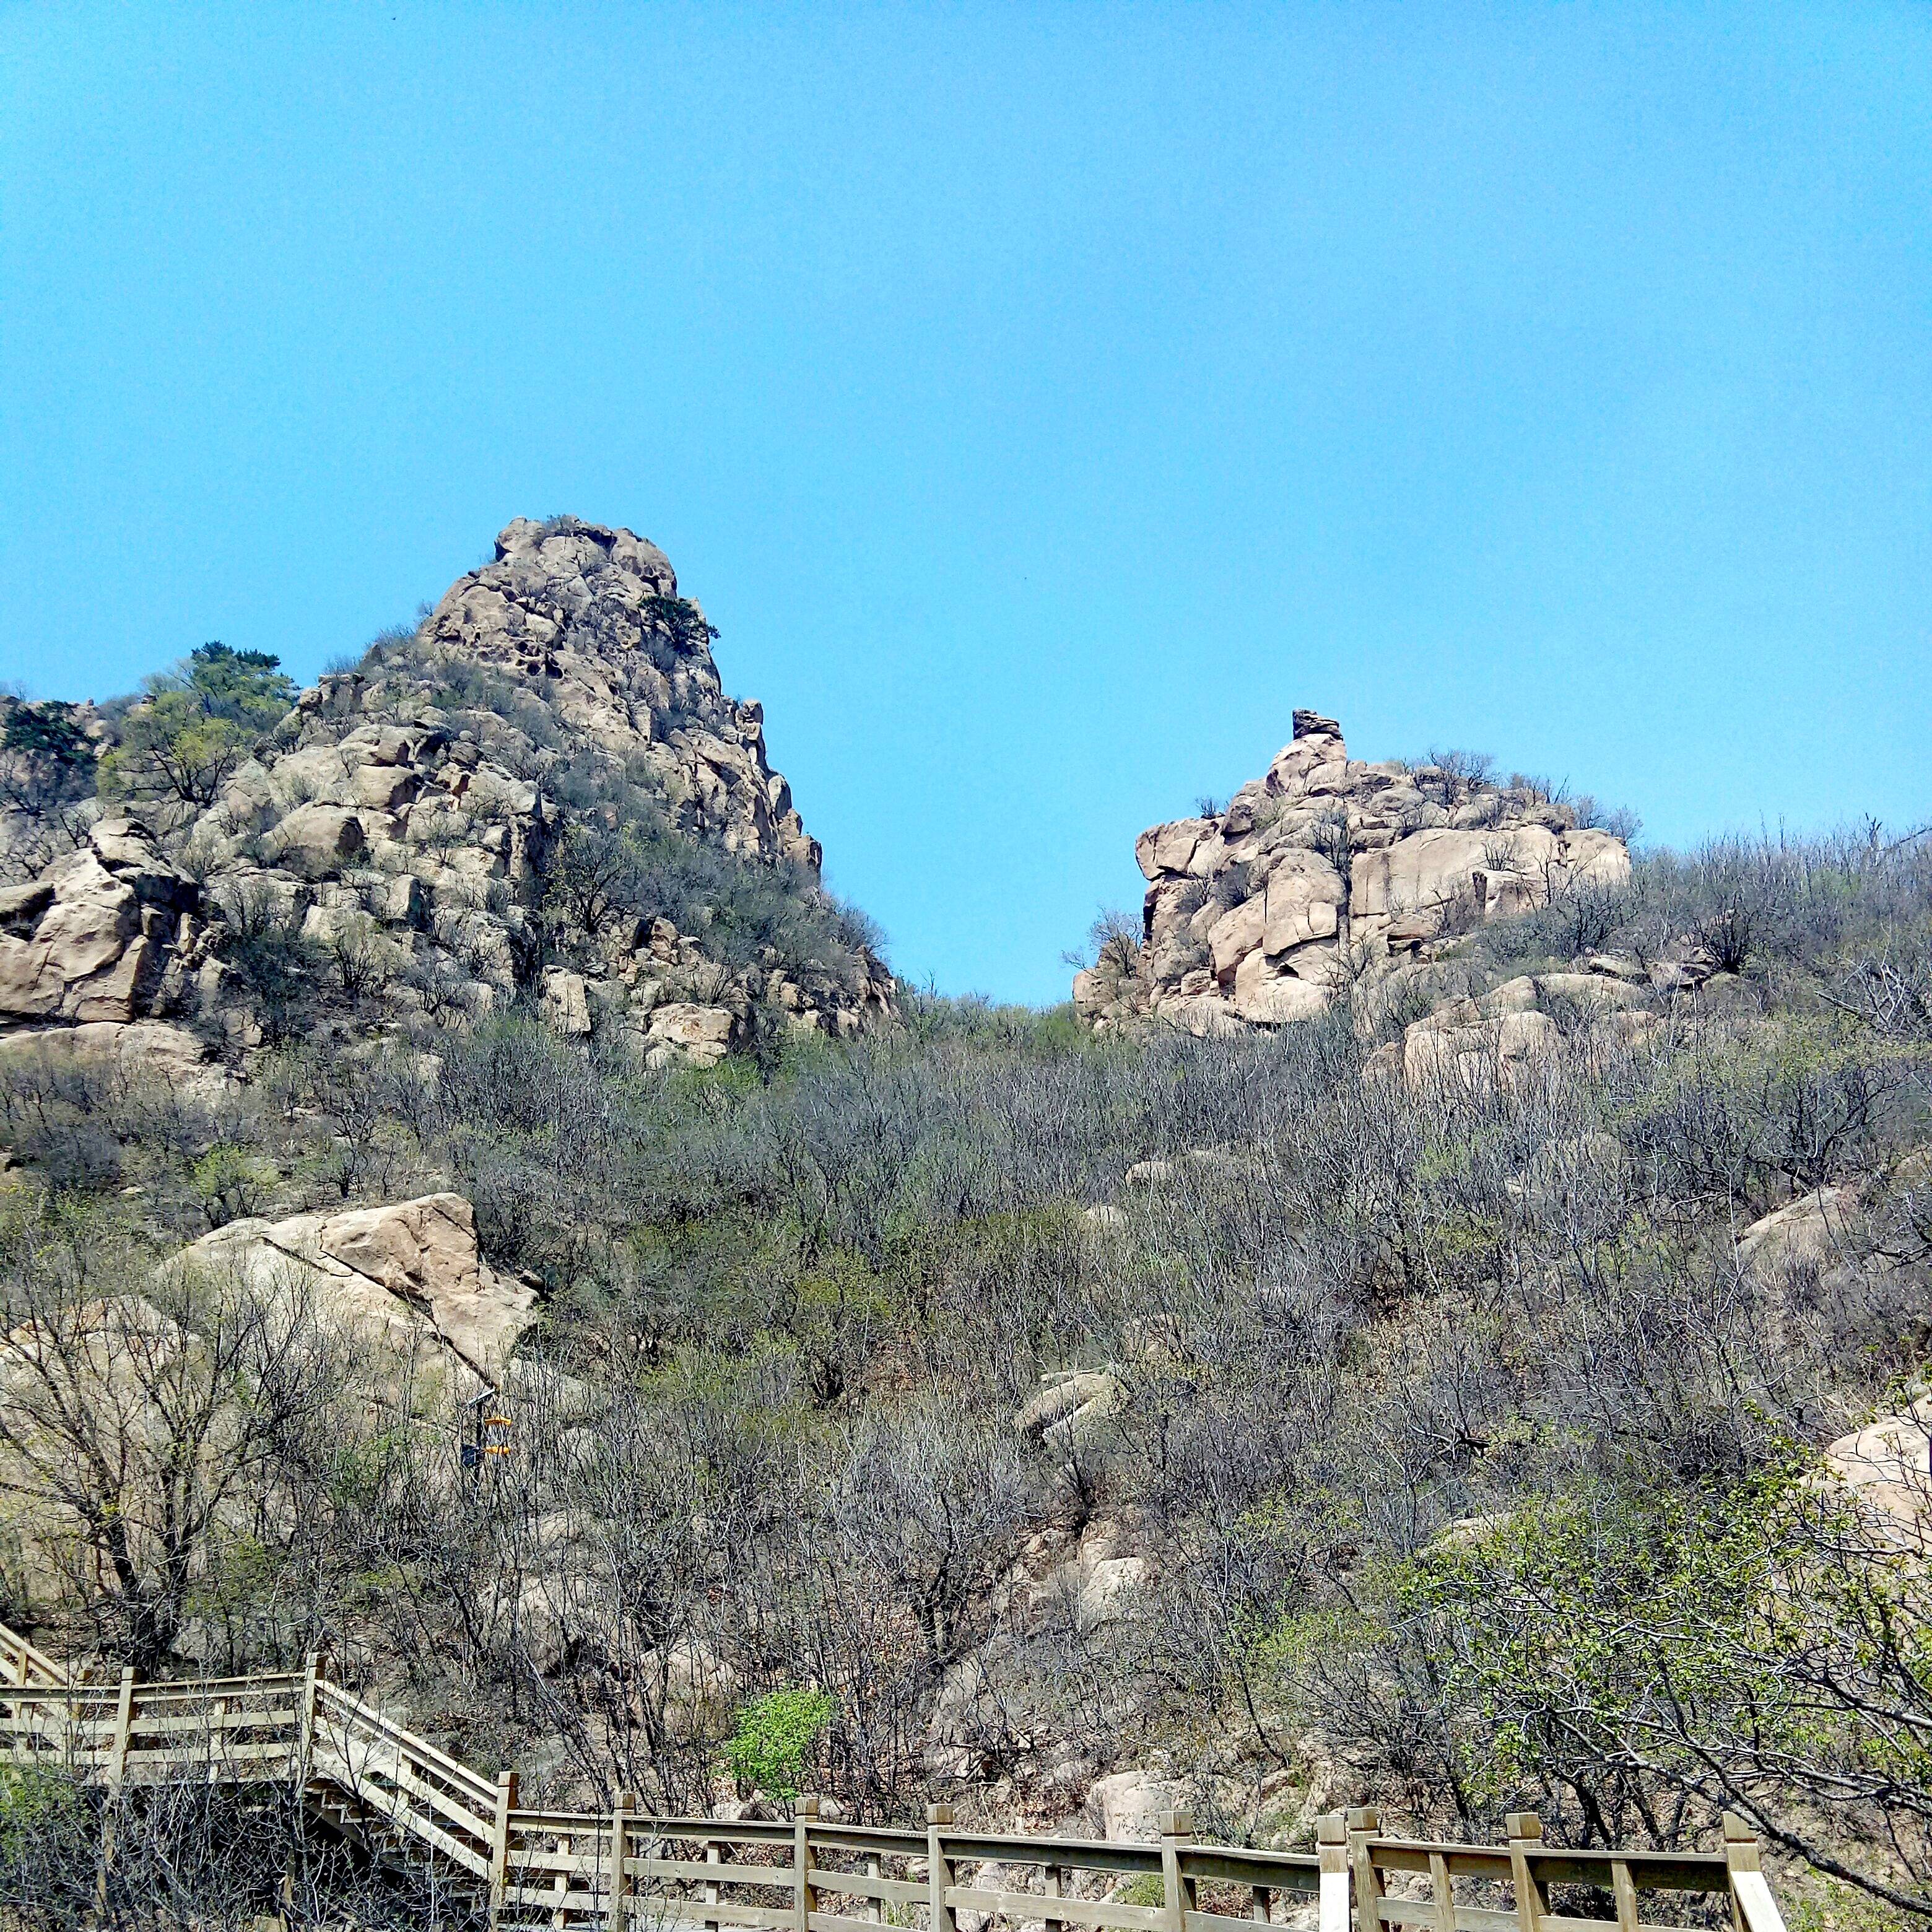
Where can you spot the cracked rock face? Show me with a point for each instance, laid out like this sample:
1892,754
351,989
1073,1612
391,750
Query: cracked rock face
411,1270
97,936
1323,864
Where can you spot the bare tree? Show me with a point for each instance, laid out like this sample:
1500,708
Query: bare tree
146,1423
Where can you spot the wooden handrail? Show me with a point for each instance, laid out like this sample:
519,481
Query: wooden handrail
580,1870
1749,1889
20,1663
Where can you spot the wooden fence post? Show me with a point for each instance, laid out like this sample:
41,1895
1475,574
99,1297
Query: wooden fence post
714,1855
115,1774
938,1869
124,1726
1363,1821
1751,1900
1176,1892
499,1843
875,1906
1623,1890
1331,1853
620,1834
804,1815
1055,1881
305,1718
1525,1836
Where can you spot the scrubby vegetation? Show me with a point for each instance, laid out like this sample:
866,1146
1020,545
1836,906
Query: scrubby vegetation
190,1854
176,747
1459,1454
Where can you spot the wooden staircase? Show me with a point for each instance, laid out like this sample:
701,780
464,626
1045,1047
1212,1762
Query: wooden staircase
550,1871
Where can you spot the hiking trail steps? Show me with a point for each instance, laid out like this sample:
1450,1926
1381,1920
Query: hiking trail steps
368,1777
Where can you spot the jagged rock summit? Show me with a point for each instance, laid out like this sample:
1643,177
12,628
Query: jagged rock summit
1321,868
593,615
541,792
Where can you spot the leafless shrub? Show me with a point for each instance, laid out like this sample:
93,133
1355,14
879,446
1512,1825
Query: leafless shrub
145,1422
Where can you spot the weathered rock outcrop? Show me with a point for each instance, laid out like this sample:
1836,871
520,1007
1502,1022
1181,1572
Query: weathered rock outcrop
1324,866
410,1272
139,1049
486,809
100,934
1887,1467
1503,1036
594,614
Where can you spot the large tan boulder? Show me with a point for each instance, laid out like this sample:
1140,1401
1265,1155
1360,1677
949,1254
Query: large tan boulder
697,1036
1094,1578
1266,994
411,1272
314,775
383,787
1235,935
1125,1807
566,1000
1206,1015
1591,853
1809,1232
1304,898
143,1049
1424,872
1515,1028
315,840
1071,1407
1171,848
1460,1044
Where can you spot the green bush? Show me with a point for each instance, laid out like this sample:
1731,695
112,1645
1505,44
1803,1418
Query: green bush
776,1735
232,1183
182,742
35,1806
45,757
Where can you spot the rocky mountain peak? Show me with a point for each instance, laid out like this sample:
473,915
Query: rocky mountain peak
592,615
1324,867
541,791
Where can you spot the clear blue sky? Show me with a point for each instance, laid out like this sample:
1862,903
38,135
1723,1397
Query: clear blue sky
1043,400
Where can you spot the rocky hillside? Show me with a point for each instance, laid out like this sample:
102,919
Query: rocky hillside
1324,867
1504,1388
541,792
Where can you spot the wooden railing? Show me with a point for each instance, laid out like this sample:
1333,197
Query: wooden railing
555,1870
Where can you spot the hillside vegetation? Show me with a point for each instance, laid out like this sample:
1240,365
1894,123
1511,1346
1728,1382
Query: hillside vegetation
473,1205
1431,1434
